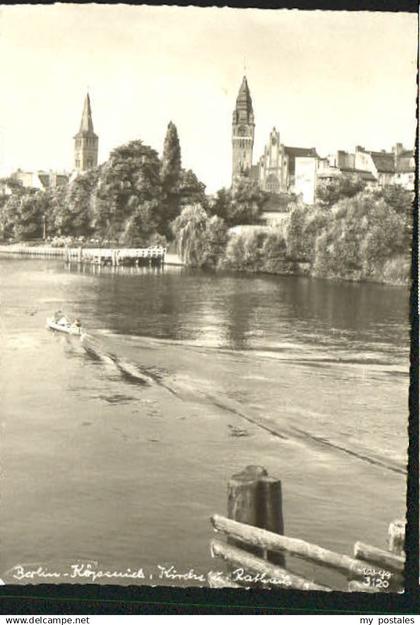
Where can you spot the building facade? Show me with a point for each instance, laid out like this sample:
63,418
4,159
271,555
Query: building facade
277,166
86,141
375,168
243,128
41,179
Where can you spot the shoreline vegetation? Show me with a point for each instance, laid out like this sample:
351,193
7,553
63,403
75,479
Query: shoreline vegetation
136,199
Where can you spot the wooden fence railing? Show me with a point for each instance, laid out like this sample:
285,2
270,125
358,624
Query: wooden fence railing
256,548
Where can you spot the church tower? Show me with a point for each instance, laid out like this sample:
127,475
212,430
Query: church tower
243,127
86,141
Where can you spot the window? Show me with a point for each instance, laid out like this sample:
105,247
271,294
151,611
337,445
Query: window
77,163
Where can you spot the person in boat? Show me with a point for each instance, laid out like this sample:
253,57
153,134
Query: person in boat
61,319
77,324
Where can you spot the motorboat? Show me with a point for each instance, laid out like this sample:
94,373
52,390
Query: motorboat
64,325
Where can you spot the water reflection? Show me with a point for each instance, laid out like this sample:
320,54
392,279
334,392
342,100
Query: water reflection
241,312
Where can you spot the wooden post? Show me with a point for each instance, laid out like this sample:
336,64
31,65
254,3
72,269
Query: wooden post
396,537
271,513
243,501
256,499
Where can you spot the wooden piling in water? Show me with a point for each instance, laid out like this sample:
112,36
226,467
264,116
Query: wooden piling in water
271,513
242,504
255,498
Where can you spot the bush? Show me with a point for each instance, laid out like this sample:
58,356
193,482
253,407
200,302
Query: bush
331,192
274,252
396,270
244,251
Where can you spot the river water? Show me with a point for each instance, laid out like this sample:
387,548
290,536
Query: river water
118,449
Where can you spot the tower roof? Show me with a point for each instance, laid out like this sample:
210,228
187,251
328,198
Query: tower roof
86,124
243,101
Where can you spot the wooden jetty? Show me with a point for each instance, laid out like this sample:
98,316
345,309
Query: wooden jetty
255,547
97,256
117,257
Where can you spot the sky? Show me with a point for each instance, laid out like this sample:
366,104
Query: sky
325,79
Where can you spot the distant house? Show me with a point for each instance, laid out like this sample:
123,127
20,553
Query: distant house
330,169
375,168
41,179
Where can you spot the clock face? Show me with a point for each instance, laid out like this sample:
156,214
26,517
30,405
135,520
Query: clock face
242,131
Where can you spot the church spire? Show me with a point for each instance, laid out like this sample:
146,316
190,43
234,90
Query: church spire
86,141
244,97
86,124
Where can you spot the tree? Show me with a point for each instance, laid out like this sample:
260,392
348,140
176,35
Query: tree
191,190
141,226
244,251
201,240
28,223
247,204
170,176
129,179
56,212
330,192
243,205
295,234
401,201
11,189
189,228
215,238
220,205
171,160
384,239
361,237
79,203
398,198
9,215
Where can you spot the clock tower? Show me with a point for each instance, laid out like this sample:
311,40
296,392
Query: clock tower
243,127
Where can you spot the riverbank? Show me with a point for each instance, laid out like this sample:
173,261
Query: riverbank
305,269
394,272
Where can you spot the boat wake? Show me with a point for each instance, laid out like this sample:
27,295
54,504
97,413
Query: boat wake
188,389
130,371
